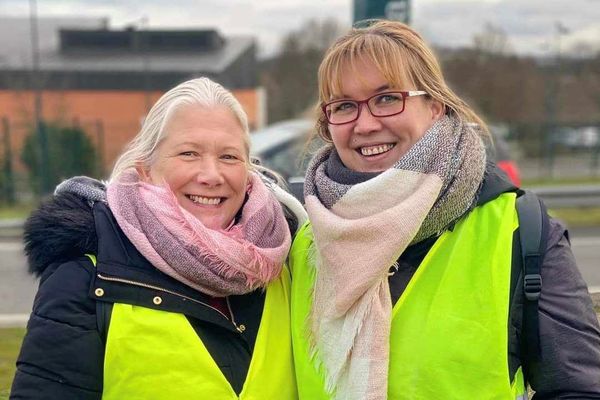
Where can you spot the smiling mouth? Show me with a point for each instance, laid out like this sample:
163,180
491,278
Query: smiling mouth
376,150
207,201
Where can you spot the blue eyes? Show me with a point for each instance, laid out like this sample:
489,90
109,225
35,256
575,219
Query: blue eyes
387,99
194,154
347,106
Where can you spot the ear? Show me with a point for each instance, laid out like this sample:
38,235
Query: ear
249,183
438,109
143,172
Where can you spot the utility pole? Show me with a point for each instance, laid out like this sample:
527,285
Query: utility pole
9,179
37,102
145,47
552,99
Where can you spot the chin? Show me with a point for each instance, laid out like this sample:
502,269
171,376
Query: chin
211,223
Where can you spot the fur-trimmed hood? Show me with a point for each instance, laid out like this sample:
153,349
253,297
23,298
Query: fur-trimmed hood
61,229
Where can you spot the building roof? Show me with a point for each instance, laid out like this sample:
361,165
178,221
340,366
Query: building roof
212,61
15,37
86,51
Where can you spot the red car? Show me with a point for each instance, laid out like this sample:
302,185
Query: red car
500,154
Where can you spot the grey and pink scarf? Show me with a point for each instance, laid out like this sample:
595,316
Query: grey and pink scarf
361,229
246,256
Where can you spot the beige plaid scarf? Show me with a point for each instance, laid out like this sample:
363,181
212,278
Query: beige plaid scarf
360,231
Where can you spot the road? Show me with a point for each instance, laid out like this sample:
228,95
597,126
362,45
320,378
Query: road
17,287
586,247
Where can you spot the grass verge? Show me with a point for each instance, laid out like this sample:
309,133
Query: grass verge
20,210
10,343
529,183
578,217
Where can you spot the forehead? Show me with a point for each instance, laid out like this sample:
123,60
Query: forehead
193,122
363,74
361,79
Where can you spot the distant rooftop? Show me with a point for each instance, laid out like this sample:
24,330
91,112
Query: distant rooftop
84,53
147,41
15,36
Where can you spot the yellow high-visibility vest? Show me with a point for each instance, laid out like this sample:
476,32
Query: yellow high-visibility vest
449,333
157,355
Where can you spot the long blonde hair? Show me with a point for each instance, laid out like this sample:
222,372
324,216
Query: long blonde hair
401,56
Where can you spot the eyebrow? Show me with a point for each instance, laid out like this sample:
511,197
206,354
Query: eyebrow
189,143
195,145
379,89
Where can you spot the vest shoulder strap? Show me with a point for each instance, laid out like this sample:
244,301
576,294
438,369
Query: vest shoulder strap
533,238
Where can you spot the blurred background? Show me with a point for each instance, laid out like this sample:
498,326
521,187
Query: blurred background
78,76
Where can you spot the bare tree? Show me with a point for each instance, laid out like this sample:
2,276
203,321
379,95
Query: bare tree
290,77
492,41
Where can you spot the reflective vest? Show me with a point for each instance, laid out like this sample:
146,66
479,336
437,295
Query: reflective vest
157,355
449,333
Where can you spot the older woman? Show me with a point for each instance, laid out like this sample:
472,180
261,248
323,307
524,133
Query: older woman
173,284
402,280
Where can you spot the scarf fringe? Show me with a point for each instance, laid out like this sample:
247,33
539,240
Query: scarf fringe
333,374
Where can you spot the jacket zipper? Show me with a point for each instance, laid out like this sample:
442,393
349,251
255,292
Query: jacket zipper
232,317
120,280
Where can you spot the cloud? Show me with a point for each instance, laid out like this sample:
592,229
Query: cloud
530,25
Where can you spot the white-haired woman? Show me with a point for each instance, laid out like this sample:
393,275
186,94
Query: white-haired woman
172,285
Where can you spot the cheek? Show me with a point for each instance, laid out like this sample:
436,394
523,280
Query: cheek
239,180
340,136
172,174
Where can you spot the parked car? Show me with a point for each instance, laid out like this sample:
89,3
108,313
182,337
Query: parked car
283,147
577,138
499,152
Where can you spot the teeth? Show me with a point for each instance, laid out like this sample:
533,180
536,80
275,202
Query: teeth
373,150
211,201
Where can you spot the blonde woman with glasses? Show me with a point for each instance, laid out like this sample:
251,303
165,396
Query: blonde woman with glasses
402,281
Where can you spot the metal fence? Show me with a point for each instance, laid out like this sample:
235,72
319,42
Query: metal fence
15,176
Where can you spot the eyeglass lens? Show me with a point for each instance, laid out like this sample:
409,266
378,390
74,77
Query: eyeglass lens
380,105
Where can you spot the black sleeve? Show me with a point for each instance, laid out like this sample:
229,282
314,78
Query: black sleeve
569,332
62,354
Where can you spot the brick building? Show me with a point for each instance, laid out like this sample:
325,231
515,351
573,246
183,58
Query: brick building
105,80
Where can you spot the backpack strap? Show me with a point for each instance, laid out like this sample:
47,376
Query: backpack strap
533,238
103,310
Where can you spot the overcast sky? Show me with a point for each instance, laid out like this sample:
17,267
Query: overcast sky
531,25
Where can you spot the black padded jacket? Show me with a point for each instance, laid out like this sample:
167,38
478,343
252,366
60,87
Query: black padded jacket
62,355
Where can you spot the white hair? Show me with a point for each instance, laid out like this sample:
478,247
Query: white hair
201,91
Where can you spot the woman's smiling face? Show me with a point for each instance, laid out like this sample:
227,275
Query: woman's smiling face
203,158
374,144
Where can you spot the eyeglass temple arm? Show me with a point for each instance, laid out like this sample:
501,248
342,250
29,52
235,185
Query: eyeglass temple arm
415,93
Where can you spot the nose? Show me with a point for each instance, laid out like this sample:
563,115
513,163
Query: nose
366,122
209,173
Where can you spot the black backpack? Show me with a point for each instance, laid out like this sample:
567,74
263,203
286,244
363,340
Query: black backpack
533,238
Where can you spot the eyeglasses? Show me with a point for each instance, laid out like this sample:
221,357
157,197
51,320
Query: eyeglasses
385,104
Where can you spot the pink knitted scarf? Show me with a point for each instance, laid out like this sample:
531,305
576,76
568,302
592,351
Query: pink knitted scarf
235,261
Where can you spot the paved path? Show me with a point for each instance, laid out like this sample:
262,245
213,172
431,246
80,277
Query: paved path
17,287
566,166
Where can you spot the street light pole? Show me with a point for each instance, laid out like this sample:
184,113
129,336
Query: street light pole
37,105
145,42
